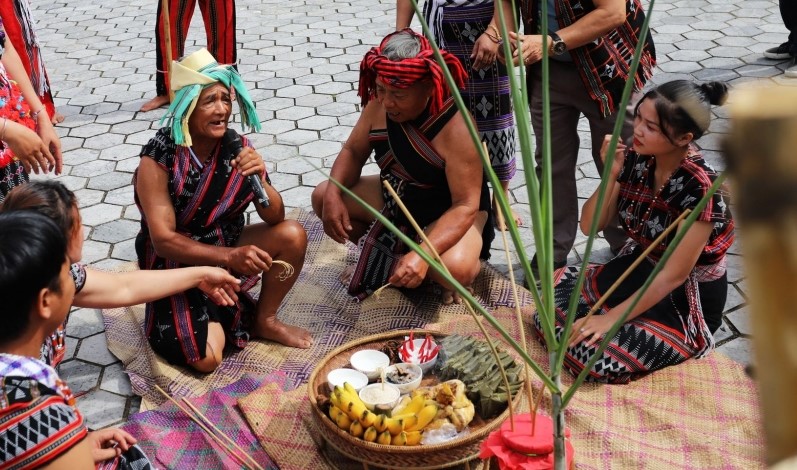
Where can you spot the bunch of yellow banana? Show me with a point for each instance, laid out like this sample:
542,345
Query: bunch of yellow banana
402,429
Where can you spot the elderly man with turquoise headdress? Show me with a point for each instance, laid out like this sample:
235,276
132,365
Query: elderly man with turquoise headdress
192,187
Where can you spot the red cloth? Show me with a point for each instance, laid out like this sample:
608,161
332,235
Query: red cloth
407,72
519,449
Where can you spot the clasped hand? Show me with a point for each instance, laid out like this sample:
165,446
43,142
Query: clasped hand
109,443
530,49
249,162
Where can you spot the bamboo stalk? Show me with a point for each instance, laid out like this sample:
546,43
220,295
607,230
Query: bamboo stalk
215,438
761,160
633,266
468,306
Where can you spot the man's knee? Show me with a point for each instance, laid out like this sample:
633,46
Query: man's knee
465,269
317,198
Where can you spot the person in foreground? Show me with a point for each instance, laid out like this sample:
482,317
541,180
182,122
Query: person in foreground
99,289
655,180
192,187
425,153
39,422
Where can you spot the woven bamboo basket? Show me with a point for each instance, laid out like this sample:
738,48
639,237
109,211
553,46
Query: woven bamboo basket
457,452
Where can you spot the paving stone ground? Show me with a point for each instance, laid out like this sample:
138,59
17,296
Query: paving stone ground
300,60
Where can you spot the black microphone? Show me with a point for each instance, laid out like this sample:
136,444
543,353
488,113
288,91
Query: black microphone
233,140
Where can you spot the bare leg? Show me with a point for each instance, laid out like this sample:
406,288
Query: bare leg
370,190
499,224
155,103
213,349
286,241
462,259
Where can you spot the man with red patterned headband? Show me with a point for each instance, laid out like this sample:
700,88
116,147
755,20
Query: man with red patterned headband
423,150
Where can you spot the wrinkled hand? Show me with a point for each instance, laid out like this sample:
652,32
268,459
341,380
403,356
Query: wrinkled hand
220,286
619,155
51,140
249,260
336,217
249,162
530,48
410,271
29,148
484,53
109,443
592,330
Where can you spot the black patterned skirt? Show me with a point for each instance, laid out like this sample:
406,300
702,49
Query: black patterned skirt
677,328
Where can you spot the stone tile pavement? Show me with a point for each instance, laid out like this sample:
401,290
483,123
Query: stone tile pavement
300,59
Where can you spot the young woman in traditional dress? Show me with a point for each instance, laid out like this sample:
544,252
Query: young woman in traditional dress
652,183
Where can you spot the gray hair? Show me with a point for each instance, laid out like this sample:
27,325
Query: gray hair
401,45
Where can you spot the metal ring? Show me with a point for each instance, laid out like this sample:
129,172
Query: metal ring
581,330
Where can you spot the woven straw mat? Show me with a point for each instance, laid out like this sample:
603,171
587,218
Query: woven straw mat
702,414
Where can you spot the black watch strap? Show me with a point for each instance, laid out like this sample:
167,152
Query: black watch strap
558,47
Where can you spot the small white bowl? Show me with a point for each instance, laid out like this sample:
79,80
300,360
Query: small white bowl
369,362
406,376
413,358
337,377
380,396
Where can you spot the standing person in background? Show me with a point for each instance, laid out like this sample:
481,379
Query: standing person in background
28,141
470,29
219,19
18,23
591,45
787,50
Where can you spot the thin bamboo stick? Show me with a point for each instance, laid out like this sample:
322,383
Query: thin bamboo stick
218,441
633,266
221,433
518,314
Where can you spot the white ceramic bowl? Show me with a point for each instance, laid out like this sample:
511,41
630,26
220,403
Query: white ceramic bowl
369,362
337,377
380,396
413,358
407,377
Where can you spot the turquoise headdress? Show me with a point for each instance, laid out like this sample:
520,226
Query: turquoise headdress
192,74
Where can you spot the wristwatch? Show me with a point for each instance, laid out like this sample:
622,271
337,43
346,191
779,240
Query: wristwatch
558,47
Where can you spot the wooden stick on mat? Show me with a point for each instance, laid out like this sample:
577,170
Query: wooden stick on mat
220,433
223,445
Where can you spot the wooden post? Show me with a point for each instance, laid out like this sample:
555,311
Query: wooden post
167,26
761,152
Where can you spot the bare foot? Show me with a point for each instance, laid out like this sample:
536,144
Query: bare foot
272,329
501,225
347,274
155,103
57,118
453,297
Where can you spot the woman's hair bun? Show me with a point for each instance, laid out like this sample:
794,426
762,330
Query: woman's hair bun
715,92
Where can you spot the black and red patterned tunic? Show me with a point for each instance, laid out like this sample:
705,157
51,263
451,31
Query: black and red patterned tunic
209,202
680,326
39,421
